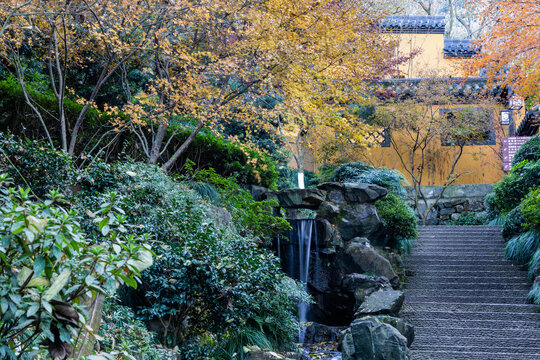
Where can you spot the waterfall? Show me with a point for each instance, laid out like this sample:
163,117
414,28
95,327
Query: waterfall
296,259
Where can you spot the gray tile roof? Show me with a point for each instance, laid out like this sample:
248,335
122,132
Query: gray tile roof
460,48
414,24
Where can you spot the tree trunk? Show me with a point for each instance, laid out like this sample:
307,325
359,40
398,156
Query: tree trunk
167,166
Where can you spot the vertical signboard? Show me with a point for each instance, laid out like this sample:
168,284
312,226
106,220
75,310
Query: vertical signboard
510,146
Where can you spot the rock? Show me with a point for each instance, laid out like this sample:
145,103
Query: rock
455,217
356,192
447,211
385,301
401,325
369,339
258,192
298,198
360,220
265,355
328,234
328,210
360,257
317,333
364,285
460,208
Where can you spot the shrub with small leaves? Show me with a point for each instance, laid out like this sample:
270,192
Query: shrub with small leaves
399,220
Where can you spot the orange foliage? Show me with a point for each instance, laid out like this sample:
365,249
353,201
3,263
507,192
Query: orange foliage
511,45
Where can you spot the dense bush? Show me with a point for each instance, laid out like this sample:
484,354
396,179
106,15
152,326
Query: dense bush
207,278
123,336
48,272
530,151
360,172
513,223
36,165
399,221
510,191
469,218
246,166
253,218
210,273
530,209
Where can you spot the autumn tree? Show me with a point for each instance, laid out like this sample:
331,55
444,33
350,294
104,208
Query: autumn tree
432,116
309,57
510,45
66,36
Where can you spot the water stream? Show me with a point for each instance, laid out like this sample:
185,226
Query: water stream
296,258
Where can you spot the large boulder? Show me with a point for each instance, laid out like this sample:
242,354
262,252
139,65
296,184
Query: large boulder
360,220
370,339
353,192
298,198
364,285
316,333
401,325
381,302
360,257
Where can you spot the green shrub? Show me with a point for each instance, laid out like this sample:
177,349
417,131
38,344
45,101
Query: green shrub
48,268
513,223
530,209
207,278
530,151
255,218
36,165
470,218
398,219
124,336
510,191
245,165
360,172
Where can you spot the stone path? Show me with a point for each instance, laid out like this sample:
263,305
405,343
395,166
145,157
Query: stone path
465,301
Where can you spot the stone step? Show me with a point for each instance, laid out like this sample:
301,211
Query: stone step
457,250
494,292
454,256
468,274
457,261
532,324
434,279
464,242
475,333
464,267
414,284
454,299
420,306
458,340
493,350
471,316
464,355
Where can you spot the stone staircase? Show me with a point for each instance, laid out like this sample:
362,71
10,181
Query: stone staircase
465,301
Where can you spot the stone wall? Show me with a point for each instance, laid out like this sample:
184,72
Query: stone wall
456,200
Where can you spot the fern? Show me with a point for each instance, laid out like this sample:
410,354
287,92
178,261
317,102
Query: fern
207,191
237,344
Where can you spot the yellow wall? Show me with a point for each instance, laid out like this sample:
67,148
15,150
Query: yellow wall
430,59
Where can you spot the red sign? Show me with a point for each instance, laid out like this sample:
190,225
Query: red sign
510,146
